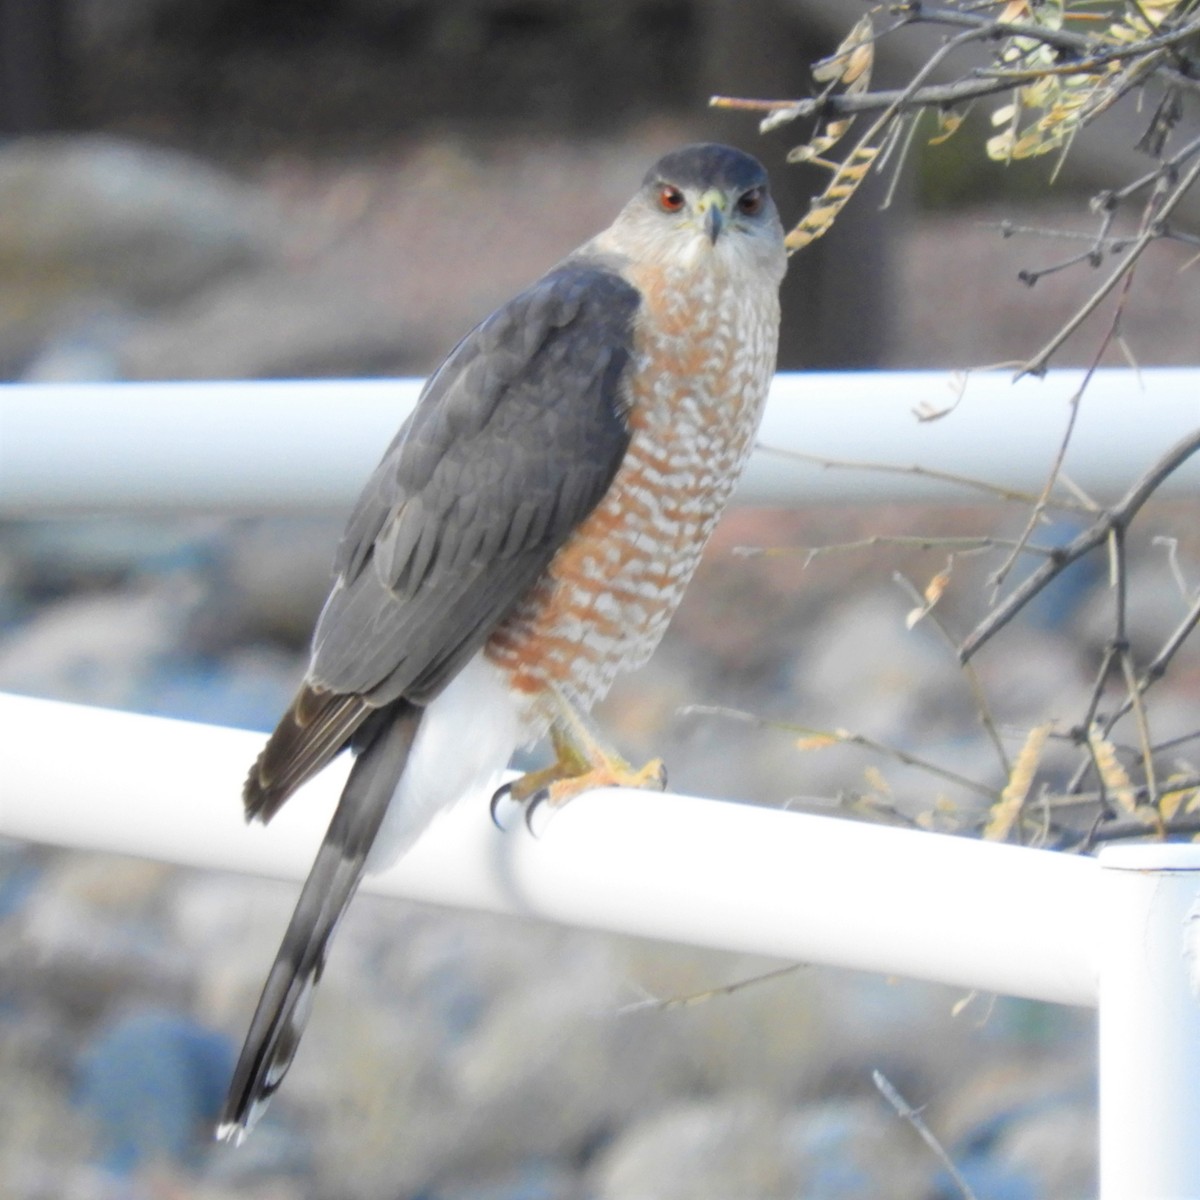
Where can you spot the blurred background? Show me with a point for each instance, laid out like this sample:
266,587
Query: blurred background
260,189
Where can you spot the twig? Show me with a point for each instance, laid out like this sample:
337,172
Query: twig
919,12
996,491
1093,255
1119,828
1040,504
1116,543
1167,166
1126,270
914,1118
838,737
1118,517
1038,363
942,95
980,82
962,546
1010,229
905,149
1157,667
1173,743
1059,801
656,1005
1171,544
1080,734
982,706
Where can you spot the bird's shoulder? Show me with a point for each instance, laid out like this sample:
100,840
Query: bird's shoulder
581,307
532,385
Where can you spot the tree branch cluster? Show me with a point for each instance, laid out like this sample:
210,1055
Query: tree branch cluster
1062,66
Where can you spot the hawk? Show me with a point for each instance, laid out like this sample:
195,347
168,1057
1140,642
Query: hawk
527,535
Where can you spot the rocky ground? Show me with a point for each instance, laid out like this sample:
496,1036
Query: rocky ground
453,1055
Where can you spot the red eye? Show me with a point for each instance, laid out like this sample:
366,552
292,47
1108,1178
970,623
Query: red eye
751,202
670,199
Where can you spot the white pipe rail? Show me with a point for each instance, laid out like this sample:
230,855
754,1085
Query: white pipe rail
307,446
1121,933
679,868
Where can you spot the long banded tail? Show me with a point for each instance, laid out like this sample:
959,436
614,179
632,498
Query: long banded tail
286,998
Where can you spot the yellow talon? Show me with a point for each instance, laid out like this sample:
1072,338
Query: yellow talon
582,764
651,777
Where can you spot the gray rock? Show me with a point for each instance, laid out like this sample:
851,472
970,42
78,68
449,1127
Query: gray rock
712,1149
274,324
94,227
152,225
1024,1130
97,648
1056,1147
844,1149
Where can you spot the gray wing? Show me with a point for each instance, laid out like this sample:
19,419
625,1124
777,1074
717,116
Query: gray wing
514,441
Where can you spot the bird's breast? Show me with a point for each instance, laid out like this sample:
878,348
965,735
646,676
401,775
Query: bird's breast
704,354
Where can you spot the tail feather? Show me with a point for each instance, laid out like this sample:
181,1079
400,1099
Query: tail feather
283,1008
316,726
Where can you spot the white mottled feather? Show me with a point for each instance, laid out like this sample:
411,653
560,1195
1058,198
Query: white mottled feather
467,735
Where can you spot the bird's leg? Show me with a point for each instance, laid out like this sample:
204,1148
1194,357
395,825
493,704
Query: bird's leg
582,763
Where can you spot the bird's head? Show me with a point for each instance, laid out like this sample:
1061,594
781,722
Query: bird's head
704,205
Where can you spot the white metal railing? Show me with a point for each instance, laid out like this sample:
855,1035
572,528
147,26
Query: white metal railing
1121,932
657,865
308,446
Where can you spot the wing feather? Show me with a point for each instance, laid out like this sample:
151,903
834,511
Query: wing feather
514,442
515,439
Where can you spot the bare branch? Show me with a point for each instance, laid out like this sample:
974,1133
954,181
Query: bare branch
1068,800
1039,507
1038,363
993,490
654,1004
1118,517
839,737
914,1118
983,707
959,545
981,81
1157,667
1056,79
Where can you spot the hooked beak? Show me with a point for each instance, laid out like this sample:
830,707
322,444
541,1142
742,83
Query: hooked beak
711,207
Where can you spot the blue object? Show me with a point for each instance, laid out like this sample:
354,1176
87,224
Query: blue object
153,1081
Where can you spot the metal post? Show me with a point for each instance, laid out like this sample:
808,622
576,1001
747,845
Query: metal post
1149,962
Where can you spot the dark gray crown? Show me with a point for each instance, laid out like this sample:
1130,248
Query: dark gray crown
705,165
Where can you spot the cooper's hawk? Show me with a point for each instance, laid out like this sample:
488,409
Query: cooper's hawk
526,536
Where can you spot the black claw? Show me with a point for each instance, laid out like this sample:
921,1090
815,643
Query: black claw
498,797
534,804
